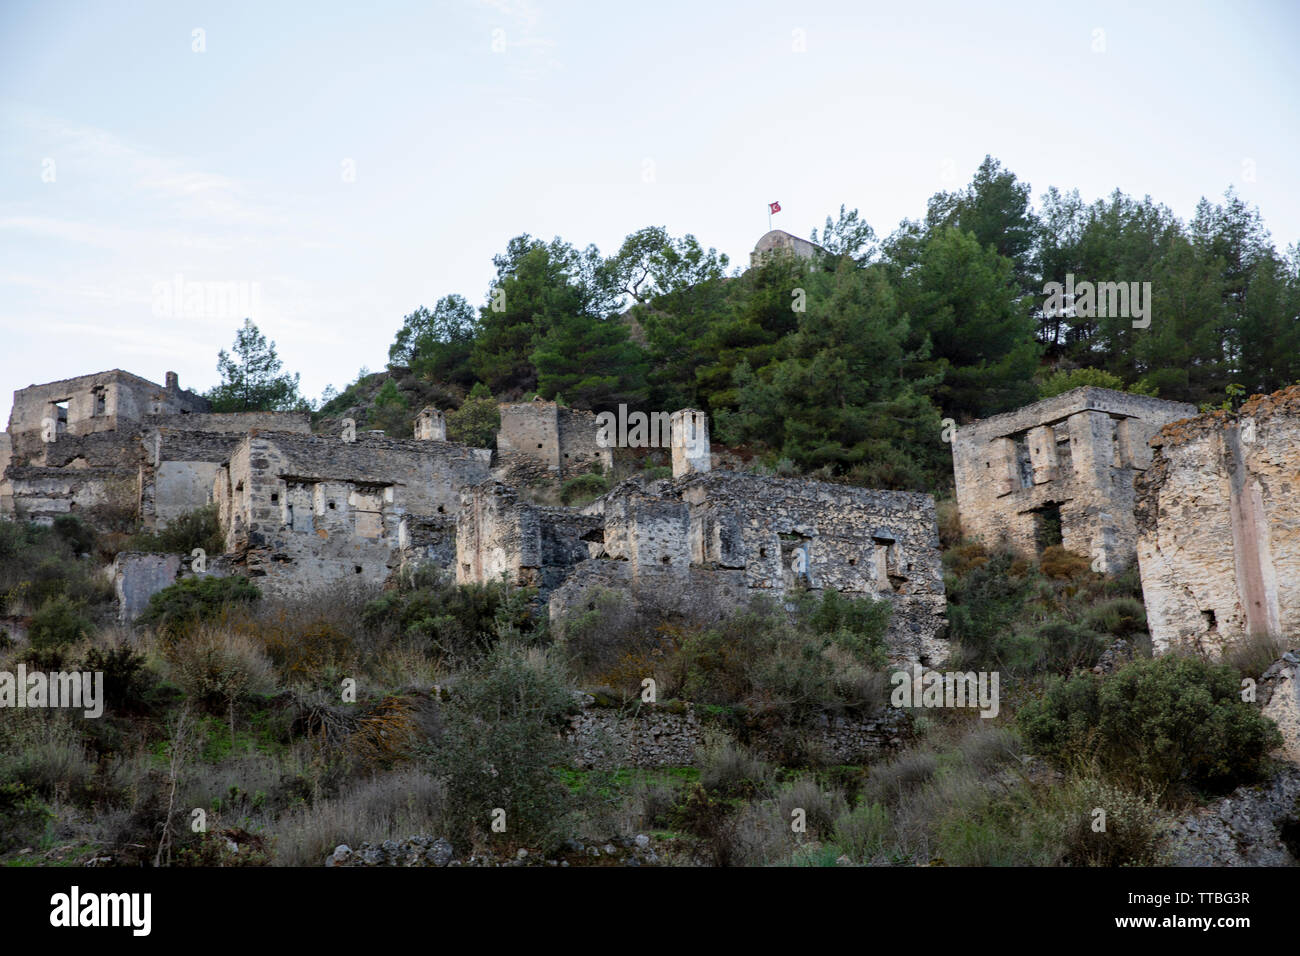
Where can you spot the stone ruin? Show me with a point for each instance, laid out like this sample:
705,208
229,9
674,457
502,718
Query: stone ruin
1060,471
117,449
708,539
1219,526
302,512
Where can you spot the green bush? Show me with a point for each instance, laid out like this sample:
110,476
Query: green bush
22,816
38,563
59,622
455,622
178,608
80,537
195,529
582,489
1169,720
499,747
476,422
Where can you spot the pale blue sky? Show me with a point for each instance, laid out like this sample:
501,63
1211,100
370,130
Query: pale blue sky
592,120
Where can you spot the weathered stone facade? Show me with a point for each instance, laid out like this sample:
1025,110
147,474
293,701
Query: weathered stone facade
1219,526
304,512
115,447
1066,463
541,439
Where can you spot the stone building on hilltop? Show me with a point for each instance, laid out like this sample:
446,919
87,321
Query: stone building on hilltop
1060,471
780,242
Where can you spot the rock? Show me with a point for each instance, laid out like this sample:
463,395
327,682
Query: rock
522,854
439,854
642,840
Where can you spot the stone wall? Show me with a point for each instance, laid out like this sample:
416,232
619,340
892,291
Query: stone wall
1069,459
1219,526
780,242
671,735
139,575
94,403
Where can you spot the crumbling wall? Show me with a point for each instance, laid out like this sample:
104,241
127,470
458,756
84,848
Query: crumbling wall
716,540
541,439
1070,459
499,535
672,735
138,575
93,403
1219,526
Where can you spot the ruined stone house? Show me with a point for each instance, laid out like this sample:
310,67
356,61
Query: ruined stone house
1218,525
305,512
117,449
710,539
1060,471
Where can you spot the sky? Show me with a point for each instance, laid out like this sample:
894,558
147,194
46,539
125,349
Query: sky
167,168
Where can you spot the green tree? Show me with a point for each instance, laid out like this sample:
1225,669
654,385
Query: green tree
837,396
538,285
436,344
251,380
963,297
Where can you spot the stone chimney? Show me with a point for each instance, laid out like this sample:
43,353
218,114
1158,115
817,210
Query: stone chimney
689,431
430,425
172,382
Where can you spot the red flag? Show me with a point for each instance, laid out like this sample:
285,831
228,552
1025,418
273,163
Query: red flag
774,207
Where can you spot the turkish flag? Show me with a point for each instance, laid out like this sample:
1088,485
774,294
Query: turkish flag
774,207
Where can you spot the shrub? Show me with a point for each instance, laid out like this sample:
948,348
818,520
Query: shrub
476,422
79,536
1056,562
217,668
863,832
199,528
1119,617
59,622
500,744
22,816
582,489
455,622
1168,720
179,608
982,601
1134,833
821,808
731,770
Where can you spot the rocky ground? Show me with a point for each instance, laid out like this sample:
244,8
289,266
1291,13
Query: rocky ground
429,851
